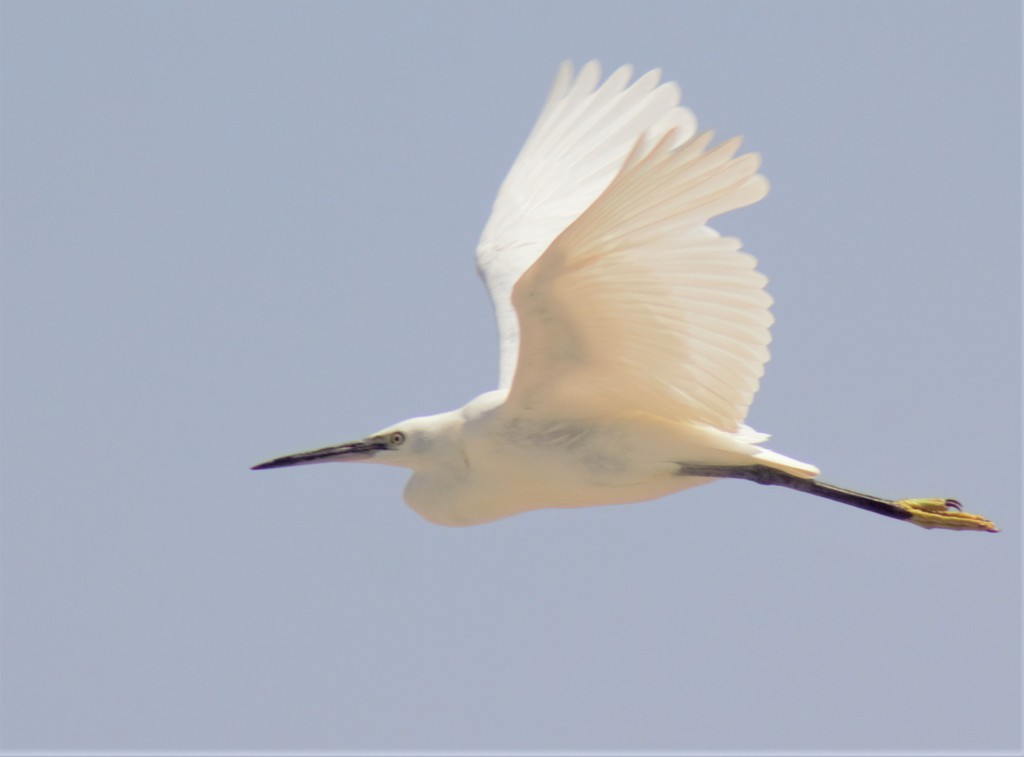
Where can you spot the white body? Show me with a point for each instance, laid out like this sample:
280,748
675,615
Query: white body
632,336
488,462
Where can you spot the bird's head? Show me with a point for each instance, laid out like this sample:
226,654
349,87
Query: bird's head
409,444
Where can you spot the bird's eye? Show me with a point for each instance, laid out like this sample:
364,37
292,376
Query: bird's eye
396,438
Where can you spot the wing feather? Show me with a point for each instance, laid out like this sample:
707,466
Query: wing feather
638,305
584,133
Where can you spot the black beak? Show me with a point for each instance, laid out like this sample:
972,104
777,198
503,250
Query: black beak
353,451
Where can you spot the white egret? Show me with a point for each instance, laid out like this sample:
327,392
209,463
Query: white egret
632,335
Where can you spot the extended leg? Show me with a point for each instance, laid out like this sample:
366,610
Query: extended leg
927,513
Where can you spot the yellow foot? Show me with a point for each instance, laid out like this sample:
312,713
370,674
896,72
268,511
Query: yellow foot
944,513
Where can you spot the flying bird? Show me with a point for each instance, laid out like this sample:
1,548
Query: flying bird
632,335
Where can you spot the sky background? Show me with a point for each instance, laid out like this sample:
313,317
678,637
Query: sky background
237,230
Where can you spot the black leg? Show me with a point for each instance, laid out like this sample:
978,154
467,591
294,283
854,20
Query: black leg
929,513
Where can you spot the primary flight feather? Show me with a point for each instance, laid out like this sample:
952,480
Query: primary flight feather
632,336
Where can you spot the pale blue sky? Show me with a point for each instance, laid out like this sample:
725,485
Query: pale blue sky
235,230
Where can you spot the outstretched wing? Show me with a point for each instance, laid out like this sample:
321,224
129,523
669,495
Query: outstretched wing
639,306
578,144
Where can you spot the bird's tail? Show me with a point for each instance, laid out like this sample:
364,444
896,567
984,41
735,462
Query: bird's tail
787,464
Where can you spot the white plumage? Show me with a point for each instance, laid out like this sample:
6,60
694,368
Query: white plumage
632,336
